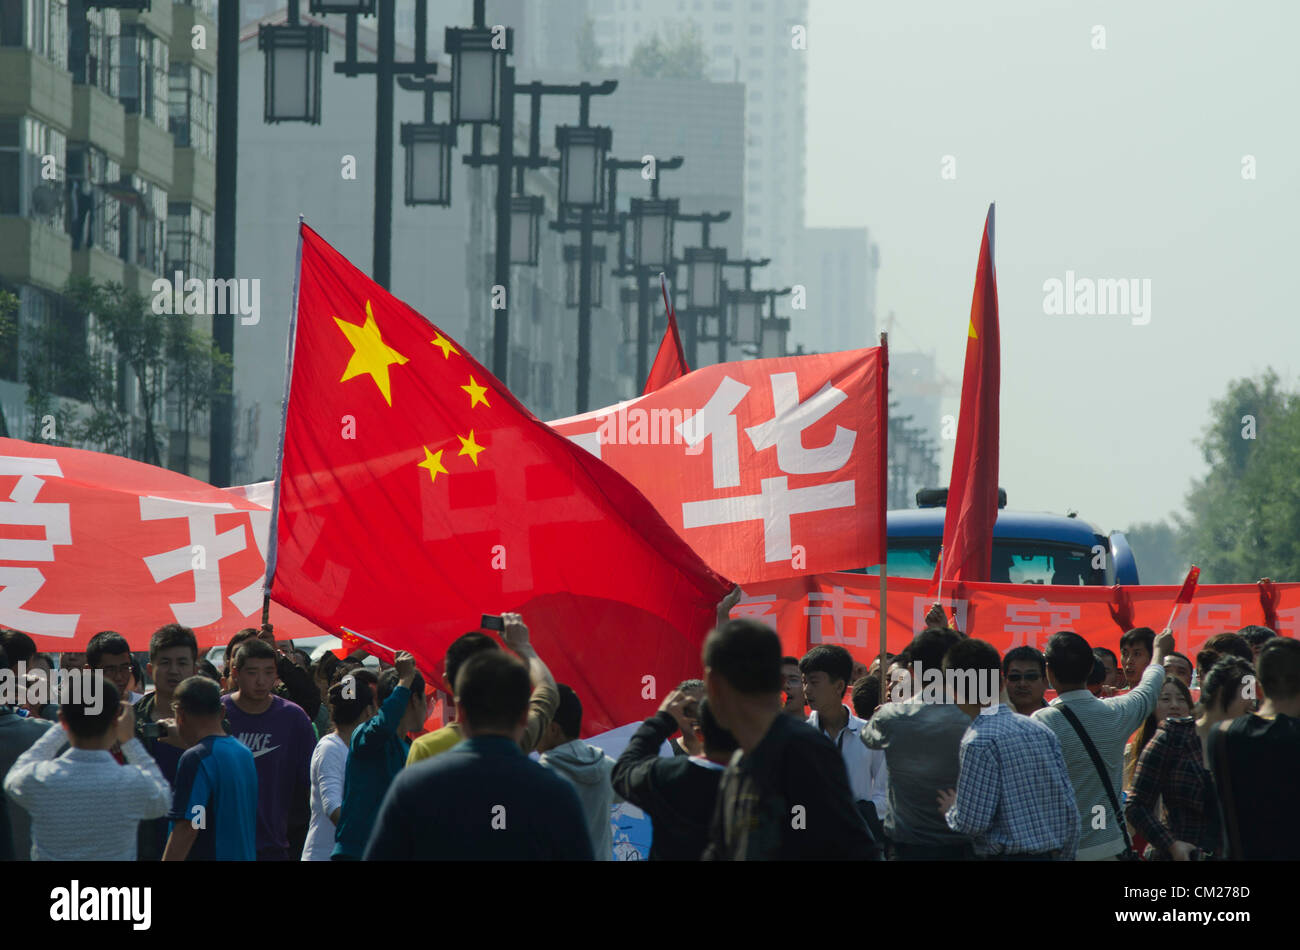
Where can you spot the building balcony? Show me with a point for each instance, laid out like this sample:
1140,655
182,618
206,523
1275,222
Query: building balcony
149,151
99,119
32,85
34,253
184,19
194,178
98,265
157,19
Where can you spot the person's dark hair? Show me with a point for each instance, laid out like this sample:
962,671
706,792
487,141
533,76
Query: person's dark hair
866,696
972,655
252,649
1182,656
18,646
568,715
137,672
1069,657
1143,637
347,705
173,635
789,661
344,668
1256,634
1230,644
1223,681
324,667
461,649
1100,652
835,661
84,724
691,685
747,654
198,696
1279,668
232,647
4,658
306,657
388,682
718,741
930,646
492,691
108,642
208,668
72,660
41,658
1099,671
1024,654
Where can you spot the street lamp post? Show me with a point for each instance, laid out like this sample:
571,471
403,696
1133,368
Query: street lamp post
732,296
704,279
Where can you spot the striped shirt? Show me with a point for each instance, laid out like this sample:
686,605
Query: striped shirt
1109,723
1014,794
84,806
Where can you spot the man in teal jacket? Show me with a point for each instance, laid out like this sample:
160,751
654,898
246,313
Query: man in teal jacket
378,753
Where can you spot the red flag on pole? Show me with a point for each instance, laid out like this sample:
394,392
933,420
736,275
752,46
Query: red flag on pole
416,494
670,361
1185,593
972,506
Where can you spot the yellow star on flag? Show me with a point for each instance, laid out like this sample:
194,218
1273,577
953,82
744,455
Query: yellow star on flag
371,355
970,331
477,394
445,345
470,447
433,462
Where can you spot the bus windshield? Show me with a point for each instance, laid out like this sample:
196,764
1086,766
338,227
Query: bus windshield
1015,561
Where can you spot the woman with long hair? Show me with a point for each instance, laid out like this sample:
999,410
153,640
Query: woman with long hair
1171,776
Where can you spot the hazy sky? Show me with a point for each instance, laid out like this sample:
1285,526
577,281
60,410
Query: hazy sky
1116,163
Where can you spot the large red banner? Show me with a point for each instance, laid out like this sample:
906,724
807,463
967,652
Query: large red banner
95,542
844,609
768,468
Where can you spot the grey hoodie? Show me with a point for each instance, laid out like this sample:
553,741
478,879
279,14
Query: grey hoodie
588,770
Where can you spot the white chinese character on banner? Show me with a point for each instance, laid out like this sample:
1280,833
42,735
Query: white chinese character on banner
1288,622
921,605
718,420
761,608
786,427
1196,623
774,506
1030,623
849,617
211,546
22,509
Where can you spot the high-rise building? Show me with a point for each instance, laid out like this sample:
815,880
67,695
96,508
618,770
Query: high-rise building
757,43
106,173
838,272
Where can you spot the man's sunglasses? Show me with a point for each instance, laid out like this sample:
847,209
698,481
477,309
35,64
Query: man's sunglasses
1027,677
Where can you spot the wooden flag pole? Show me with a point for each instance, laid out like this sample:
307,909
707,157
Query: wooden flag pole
266,609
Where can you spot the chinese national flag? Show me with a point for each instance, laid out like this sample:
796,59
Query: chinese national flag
416,494
972,506
670,361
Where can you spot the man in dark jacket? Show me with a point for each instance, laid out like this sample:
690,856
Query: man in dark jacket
678,793
785,795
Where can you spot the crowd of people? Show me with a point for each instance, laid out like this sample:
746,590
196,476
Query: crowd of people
1147,755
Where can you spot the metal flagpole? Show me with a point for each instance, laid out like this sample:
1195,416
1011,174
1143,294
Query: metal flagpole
884,564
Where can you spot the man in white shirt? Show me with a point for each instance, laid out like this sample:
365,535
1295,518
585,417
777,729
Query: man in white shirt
60,793
826,671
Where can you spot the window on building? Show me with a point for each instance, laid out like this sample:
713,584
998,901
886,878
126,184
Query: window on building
92,40
143,223
189,241
191,107
94,210
33,167
143,74
38,25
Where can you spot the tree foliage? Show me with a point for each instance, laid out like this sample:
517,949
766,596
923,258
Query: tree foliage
107,368
1243,518
1158,547
679,56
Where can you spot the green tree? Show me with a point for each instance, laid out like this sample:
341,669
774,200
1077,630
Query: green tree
1243,518
81,368
680,56
589,51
